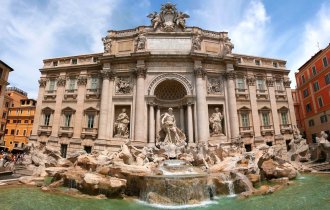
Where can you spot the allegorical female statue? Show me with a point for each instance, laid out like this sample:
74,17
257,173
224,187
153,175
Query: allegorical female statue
121,125
215,123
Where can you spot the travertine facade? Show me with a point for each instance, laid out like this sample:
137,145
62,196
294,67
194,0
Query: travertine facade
98,101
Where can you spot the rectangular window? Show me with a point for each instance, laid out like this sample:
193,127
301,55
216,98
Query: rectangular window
55,63
325,61
245,120
320,101
6,131
67,120
278,85
240,84
275,64
72,84
311,123
74,61
4,115
24,132
306,93
94,59
94,83
51,84
12,132
284,118
26,121
19,121
14,121
265,119
327,79
17,132
260,84
308,108
316,86
47,119
324,119
314,70
303,78
90,120
257,62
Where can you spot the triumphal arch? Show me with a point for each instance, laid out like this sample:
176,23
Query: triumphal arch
163,82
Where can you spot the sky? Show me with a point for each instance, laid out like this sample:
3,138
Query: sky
30,31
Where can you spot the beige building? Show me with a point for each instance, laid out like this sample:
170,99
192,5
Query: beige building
98,101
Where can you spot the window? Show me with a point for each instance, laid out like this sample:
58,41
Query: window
7,104
21,111
303,78
327,79
325,61
320,101
4,115
47,119
314,70
94,83
67,119
90,120
284,118
32,121
88,149
72,83
19,121
16,145
240,84
316,86
314,135
278,85
324,119
257,62
306,93
8,121
275,64
260,84
308,107
55,63
52,84
6,131
17,132
24,132
94,59
74,61
14,121
265,119
239,60
245,120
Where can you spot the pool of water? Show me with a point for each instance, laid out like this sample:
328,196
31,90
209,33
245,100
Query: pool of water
309,192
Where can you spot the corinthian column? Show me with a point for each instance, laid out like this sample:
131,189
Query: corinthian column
234,125
109,131
139,105
190,124
151,124
79,118
202,110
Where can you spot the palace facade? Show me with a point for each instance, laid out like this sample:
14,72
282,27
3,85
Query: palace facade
99,101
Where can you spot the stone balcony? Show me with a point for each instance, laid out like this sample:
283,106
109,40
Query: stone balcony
89,132
44,130
242,93
267,130
93,93
262,94
280,94
70,94
246,131
65,131
286,128
50,95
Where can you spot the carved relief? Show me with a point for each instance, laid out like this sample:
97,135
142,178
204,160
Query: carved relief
270,82
251,81
82,80
226,47
168,19
214,86
123,85
196,42
107,43
140,42
61,81
42,82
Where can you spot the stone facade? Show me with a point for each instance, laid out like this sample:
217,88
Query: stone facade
216,96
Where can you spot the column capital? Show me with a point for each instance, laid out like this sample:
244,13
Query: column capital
140,72
270,82
251,81
61,81
200,72
287,83
230,75
108,74
42,82
82,80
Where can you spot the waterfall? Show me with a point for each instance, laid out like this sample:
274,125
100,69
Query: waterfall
230,184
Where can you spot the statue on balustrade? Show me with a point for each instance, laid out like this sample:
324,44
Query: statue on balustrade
171,138
121,125
215,123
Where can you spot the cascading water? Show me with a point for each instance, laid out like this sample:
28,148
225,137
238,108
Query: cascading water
230,184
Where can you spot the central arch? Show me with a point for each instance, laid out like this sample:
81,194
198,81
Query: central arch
170,90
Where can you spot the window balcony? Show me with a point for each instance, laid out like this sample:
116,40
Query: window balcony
93,93
89,132
280,94
65,131
267,129
262,94
242,93
286,128
70,94
246,131
50,95
44,130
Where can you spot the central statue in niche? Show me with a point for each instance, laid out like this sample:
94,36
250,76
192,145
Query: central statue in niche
171,138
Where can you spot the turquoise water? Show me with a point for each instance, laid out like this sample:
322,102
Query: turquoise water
309,192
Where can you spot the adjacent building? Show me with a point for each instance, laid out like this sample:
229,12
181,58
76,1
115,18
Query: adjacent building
313,89
19,119
99,101
4,73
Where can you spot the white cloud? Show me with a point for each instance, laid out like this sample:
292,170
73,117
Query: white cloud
316,36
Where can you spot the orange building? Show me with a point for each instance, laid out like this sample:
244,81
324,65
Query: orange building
313,89
19,119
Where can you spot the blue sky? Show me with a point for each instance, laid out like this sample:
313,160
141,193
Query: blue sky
33,30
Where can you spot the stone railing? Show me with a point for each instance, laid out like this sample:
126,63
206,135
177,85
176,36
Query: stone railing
246,131
70,93
50,95
286,128
262,93
242,93
93,93
280,94
44,129
89,132
266,129
64,130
